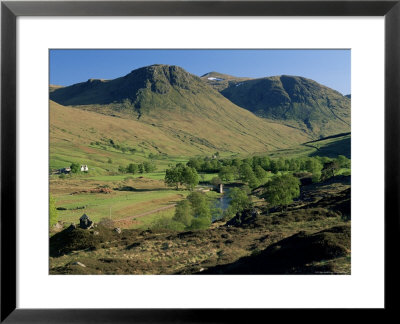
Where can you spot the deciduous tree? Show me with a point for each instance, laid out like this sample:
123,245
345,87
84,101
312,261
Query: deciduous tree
281,190
239,201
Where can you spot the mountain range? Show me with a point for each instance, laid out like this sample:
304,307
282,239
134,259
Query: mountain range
204,114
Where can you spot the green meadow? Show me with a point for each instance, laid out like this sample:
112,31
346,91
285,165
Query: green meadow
117,205
145,198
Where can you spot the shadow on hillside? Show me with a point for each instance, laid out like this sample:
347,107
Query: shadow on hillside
75,239
341,179
129,188
326,195
332,150
294,254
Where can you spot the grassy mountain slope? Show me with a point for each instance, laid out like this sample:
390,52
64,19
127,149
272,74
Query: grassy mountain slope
83,136
295,101
331,146
164,109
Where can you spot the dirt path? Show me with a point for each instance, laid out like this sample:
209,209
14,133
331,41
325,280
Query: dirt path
146,213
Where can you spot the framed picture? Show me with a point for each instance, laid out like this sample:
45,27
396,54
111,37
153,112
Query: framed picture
204,140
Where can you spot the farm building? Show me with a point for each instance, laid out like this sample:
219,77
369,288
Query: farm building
84,168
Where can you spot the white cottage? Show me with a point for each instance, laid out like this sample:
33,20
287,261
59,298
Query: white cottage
84,168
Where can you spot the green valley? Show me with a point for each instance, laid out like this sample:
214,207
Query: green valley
180,174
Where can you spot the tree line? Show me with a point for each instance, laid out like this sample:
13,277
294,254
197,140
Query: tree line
145,167
254,170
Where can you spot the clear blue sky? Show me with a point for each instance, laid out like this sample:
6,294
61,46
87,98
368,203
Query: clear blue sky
328,67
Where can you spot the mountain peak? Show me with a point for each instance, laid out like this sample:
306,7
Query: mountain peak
157,78
160,77
158,68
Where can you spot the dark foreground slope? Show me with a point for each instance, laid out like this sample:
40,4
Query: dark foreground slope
299,253
312,236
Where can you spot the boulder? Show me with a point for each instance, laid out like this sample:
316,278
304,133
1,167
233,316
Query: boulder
79,264
58,225
85,222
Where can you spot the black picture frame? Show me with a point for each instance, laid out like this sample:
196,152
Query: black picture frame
10,10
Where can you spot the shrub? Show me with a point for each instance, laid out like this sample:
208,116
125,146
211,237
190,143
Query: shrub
343,162
164,222
346,173
140,168
75,168
194,212
200,223
132,168
183,213
329,170
200,205
149,166
107,222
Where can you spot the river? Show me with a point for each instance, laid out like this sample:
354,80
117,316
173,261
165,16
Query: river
221,202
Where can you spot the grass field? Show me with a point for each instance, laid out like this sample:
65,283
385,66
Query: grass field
142,195
138,196
120,205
